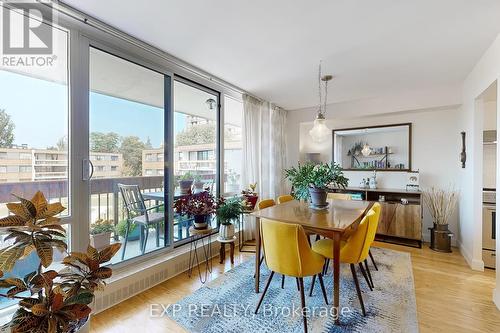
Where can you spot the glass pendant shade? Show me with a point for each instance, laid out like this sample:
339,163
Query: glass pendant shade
320,132
366,151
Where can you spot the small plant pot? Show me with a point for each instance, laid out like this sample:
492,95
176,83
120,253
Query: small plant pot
185,186
318,197
226,231
200,221
100,241
441,238
252,200
198,187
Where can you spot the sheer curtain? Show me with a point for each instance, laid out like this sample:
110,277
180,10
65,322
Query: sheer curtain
264,150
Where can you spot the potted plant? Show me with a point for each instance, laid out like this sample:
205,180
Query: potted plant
250,196
228,211
185,182
441,205
49,301
310,181
198,183
133,232
100,233
199,206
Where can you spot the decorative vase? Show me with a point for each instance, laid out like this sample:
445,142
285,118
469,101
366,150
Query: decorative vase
226,231
252,200
100,241
185,186
318,197
441,238
200,221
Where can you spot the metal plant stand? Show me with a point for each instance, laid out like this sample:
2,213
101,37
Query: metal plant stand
241,239
200,236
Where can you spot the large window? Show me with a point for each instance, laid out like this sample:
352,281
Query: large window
34,120
126,134
233,157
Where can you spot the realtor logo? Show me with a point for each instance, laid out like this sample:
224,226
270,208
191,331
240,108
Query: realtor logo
26,30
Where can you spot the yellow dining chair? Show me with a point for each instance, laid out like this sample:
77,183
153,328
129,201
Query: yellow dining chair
353,251
266,203
287,252
376,208
339,196
284,198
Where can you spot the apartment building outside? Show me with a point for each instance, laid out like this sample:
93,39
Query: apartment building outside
22,164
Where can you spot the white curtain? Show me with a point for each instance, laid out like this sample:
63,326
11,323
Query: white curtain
264,151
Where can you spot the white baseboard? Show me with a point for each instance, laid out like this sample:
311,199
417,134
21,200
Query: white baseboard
475,264
496,297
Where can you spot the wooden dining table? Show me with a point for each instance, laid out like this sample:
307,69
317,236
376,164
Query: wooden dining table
336,222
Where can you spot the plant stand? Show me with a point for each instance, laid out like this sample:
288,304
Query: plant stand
241,226
203,236
222,253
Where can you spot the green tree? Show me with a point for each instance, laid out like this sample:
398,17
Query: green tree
104,142
6,130
131,148
196,134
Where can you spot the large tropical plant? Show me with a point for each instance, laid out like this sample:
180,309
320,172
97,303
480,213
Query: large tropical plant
319,176
49,301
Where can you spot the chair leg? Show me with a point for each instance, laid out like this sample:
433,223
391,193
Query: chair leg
358,290
369,273
260,263
322,284
312,285
327,263
365,275
126,238
146,228
298,284
373,260
264,292
282,282
158,235
303,302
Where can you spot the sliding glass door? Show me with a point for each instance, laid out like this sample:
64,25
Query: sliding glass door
126,156
196,146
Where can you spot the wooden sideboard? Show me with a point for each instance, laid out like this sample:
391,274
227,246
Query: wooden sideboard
399,223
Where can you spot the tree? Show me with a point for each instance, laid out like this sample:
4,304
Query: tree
196,134
62,143
6,130
104,142
131,149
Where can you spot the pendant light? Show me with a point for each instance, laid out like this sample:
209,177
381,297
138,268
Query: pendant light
320,132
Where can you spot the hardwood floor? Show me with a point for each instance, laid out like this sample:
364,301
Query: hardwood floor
450,297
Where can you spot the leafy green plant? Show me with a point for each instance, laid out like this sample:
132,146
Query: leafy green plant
121,228
229,210
320,176
58,302
101,226
187,176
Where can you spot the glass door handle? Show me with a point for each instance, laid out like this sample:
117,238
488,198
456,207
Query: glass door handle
88,170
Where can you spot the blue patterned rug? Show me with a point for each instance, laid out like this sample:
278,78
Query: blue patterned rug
227,304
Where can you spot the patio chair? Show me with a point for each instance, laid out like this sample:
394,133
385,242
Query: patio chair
139,214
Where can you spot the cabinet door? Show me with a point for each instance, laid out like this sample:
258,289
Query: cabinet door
403,221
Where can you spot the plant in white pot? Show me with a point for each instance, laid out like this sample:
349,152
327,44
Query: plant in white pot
441,204
311,181
100,233
229,211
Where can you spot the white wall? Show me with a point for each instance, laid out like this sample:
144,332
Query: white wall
485,73
435,149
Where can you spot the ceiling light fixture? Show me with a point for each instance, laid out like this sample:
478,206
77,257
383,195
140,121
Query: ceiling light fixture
320,131
211,103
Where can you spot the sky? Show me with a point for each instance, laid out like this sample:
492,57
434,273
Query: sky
39,110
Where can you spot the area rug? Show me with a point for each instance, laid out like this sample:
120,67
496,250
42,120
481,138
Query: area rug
227,304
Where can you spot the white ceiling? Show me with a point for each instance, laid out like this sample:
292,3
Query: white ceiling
272,48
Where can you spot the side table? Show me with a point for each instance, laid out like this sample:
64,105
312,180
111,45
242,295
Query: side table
202,236
241,226
222,254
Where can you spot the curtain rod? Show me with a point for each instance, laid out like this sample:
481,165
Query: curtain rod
106,28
